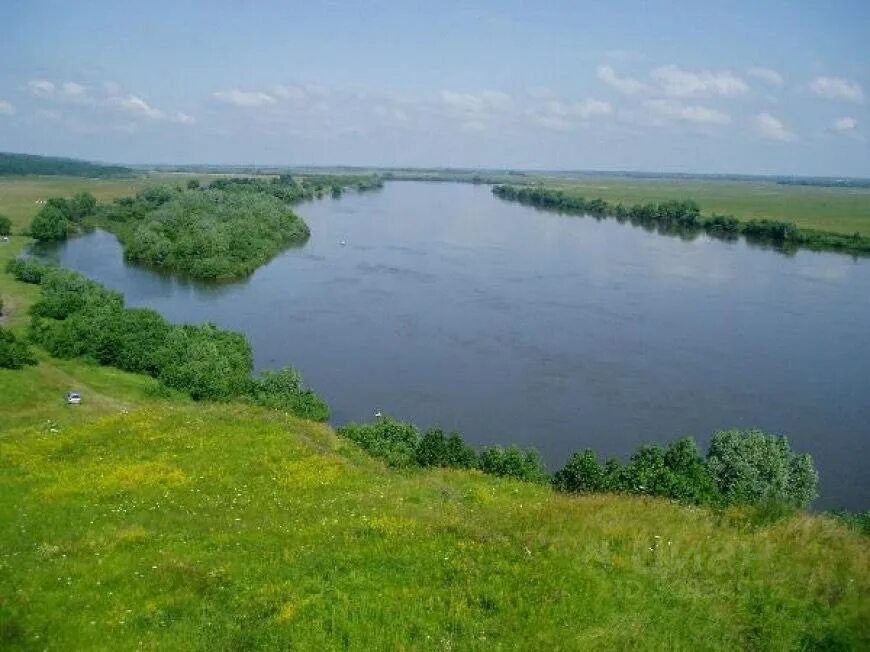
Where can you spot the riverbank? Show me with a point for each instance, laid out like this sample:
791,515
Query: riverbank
684,218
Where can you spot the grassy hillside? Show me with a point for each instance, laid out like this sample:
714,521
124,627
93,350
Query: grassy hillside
225,527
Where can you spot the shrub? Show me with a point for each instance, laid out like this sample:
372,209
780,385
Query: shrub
391,440
14,354
512,462
283,390
436,449
207,362
582,474
26,270
753,467
5,225
50,224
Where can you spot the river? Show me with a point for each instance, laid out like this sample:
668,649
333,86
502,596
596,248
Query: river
441,304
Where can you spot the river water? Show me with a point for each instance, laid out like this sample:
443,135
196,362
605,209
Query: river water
441,304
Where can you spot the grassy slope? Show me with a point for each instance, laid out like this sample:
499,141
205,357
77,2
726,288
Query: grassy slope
843,210
184,527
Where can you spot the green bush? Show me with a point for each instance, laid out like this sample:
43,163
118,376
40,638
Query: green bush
14,354
49,224
393,441
511,462
26,270
582,474
753,467
5,225
283,390
437,449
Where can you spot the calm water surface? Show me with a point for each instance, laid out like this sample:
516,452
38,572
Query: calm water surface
448,306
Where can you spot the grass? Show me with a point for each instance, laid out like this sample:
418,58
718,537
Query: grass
842,210
18,195
229,527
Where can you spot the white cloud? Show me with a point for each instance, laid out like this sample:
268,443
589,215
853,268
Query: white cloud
837,88
561,115
139,107
767,75
41,87
63,92
476,102
677,82
72,90
773,128
247,99
674,110
6,108
183,118
845,124
627,85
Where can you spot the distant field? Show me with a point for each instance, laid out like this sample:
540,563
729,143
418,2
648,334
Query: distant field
844,210
18,195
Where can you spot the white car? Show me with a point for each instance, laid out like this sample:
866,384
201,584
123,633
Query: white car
73,398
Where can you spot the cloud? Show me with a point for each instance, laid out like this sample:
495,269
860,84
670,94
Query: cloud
41,87
246,99
773,128
561,115
627,85
6,108
677,82
139,107
767,75
845,125
183,118
673,110
64,92
475,102
837,88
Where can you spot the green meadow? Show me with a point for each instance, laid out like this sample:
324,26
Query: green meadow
842,210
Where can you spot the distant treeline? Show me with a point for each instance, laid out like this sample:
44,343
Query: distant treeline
684,218
741,467
79,318
223,231
29,164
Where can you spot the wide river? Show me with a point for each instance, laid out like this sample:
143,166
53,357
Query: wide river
442,304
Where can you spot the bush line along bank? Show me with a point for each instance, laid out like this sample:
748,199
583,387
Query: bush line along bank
741,467
77,317
684,218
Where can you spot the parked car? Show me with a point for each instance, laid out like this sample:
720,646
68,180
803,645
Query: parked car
73,398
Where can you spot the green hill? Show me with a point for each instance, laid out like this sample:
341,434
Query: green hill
180,526
30,164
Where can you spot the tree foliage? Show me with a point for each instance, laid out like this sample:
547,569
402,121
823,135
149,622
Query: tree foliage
14,353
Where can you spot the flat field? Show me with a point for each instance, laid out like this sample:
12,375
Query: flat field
842,210
18,195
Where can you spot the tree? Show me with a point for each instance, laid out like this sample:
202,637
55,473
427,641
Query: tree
14,354
582,474
436,449
50,224
5,225
754,467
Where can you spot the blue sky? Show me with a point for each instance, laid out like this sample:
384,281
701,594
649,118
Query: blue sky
756,87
